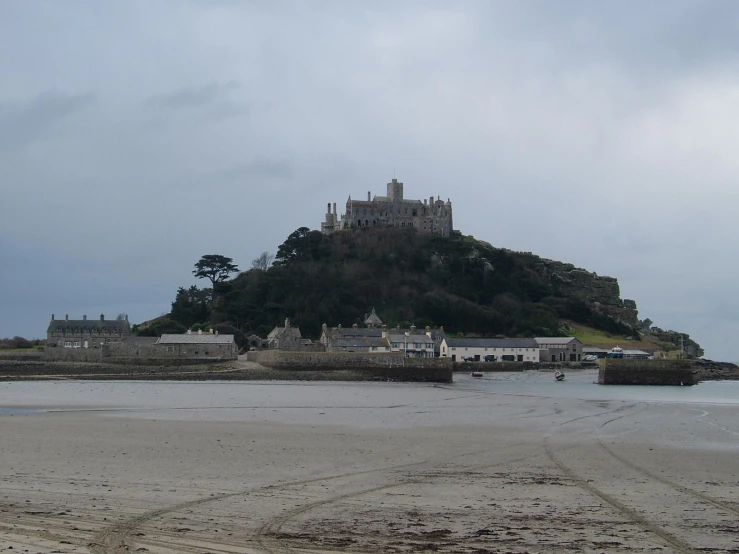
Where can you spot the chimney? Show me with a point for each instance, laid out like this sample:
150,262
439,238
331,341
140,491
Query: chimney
328,208
339,327
210,330
413,328
52,317
369,195
216,332
126,317
102,317
200,331
354,326
66,317
84,317
335,212
431,200
189,331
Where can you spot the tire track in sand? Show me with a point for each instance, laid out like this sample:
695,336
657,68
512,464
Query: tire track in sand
676,486
266,533
677,543
113,540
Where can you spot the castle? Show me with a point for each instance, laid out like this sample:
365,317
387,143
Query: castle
427,216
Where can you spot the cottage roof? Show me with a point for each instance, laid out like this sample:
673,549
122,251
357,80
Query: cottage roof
373,320
554,340
491,343
635,353
293,332
411,337
336,333
355,342
88,325
194,338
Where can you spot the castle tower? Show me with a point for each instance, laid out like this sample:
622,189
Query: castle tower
395,190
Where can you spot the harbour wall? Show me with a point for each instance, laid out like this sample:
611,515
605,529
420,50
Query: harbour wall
391,366
623,371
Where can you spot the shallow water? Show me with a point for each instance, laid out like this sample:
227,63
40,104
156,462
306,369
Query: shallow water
493,400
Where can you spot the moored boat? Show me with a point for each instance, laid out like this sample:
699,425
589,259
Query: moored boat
477,374
559,375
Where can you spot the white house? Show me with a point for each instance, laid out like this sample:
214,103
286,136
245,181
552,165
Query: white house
492,350
414,344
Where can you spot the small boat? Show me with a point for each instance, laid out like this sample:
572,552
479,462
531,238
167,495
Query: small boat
477,374
616,352
559,375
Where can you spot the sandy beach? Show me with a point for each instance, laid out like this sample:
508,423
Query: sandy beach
514,464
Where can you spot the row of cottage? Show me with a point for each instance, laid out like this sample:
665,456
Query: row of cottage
375,337
87,339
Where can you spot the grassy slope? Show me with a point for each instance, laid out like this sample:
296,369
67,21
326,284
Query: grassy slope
594,337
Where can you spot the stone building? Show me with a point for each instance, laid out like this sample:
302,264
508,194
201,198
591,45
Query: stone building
287,338
490,350
199,345
376,337
559,349
427,216
86,333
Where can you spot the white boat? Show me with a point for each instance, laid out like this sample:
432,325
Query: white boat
616,352
559,375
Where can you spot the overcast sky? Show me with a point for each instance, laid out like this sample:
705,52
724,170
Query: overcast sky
136,136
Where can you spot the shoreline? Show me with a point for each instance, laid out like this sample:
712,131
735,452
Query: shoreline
242,370
364,469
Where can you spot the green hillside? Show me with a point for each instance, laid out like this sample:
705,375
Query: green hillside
463,284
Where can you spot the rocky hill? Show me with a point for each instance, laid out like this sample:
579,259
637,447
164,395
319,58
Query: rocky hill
466,285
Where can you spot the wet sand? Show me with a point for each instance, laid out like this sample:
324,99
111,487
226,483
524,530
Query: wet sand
366,468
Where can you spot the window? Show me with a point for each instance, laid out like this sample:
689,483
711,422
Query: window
76,344
170,349
68,344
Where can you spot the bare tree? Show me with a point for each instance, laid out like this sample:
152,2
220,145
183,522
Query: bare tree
263,261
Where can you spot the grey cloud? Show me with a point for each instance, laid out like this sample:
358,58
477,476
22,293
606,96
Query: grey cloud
189,97
596,133
21,123
258,167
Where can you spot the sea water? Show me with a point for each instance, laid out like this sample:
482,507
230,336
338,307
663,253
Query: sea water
494,398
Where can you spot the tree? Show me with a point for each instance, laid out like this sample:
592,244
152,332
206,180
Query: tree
214,267
263,261
190,306
301,245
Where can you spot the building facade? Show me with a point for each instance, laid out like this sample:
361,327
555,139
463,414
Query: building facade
490,350
559,349
393,210
86,333
198,345
376,337
287,338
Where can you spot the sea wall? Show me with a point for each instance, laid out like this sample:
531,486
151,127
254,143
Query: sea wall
622,371
393,366
493,366
61,354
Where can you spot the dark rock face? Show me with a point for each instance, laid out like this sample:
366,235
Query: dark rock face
601,292
708,370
